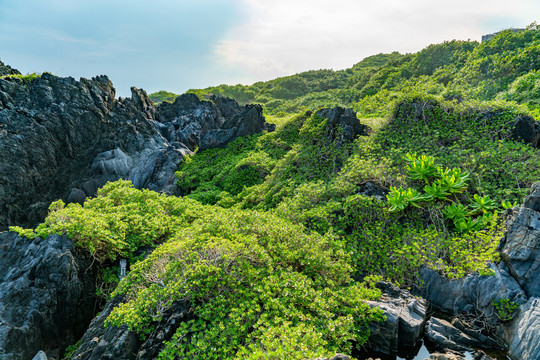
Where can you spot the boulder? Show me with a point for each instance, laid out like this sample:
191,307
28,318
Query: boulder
405,319
524,340
47,295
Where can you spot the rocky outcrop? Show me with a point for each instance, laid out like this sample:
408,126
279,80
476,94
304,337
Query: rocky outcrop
61,138
405,319
520,248
472,294
6,70
342,125
209,124
118,343
524,340
47,295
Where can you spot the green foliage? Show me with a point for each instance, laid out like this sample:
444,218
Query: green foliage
27,233
26,79
253,280
162,95
506,309
420,168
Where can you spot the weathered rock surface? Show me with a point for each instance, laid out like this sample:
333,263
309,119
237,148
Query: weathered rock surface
520,248
7,70
342,125
524,342
47,293
208,124
371,189
472,294
118,343
108,343
405,319
457,336
61,138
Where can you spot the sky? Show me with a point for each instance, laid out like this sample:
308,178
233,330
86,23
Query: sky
177,45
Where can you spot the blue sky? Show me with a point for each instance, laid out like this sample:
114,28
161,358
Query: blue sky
181,44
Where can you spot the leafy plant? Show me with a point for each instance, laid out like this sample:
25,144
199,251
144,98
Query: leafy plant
482,204
399,199
506,309
455,211
420,168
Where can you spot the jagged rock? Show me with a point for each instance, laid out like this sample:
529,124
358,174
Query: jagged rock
47,294
405,319
342,125
473,294
524,342
60,137
7,70
108,343
100,342
457,336
526,129
208,124
520,248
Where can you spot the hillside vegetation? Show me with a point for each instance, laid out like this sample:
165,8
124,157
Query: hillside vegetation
277,240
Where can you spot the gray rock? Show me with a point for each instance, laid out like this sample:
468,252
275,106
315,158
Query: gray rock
473,294
445,356
76,196
108,343
7,70
520,249
58,134
47,294
373,190
405,319
342,125
448,336
208,124
524,342
40,356
100,342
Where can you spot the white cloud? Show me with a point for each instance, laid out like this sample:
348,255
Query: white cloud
283,37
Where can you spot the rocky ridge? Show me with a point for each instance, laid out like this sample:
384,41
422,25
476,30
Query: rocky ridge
62,138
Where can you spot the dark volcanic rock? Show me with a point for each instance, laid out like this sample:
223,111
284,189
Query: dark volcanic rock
7,70
526,129
343,125
108,343
208,124
405,319
61,138
118,343
46,295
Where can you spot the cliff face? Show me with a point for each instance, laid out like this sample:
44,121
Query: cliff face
62,138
